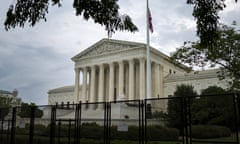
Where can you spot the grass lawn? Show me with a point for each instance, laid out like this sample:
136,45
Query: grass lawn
223,139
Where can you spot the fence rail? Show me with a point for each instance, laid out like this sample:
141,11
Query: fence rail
206,119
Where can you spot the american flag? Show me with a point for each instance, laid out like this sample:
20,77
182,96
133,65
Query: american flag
150,21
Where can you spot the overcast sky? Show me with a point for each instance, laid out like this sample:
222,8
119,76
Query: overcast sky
34,60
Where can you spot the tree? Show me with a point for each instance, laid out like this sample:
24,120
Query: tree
215,109
4,106
104,12
206,13
224,54
175,104
26,110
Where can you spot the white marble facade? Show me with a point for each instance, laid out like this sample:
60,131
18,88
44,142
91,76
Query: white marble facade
111,70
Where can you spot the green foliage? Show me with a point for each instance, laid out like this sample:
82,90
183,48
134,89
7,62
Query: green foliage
160,115
95,133
92,131
157,132
213,90
39,130
4,101
224,54
206,13
4,106
210,131
131,134
3,112
26,110
175,104
104,12
214,109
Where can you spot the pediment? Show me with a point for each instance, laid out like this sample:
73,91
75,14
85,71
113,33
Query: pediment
106,46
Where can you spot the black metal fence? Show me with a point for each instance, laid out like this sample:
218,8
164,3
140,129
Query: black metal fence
204,119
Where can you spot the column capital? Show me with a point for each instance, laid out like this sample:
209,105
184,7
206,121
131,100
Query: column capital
93,67
85,69
101,65
142,59
77,69
121,61
111,63
131,61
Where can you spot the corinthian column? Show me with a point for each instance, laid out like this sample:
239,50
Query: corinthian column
131,79
161,80
76,89
111,82
92,87
142,79
157,80
84,85
101,84
121,79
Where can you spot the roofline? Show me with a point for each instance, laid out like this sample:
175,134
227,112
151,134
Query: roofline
188,69
206,74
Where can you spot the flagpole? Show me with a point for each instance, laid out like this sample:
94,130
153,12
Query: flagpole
148,74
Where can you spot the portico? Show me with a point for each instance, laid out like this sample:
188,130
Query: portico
115,80
113,70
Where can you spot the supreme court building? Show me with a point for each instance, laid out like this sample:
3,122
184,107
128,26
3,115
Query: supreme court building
112,70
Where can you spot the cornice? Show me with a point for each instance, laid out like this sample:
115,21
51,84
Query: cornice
115,56
108,47
197,75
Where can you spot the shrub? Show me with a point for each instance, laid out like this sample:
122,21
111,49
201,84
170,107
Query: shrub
158,132
210,131
154,133
92,131
131,134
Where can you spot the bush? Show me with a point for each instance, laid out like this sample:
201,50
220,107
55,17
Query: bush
154,133
38,130
210,131
158,132
93,133
131,134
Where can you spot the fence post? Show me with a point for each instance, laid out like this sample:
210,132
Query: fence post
189,120
182,119
13,128
59,131
185,106
77,123
236,105
2,123
144,122
8,130
109,122
139,121
69,131
31,128
53,125
104,123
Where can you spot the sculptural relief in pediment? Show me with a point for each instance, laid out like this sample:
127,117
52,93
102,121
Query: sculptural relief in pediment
106,48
